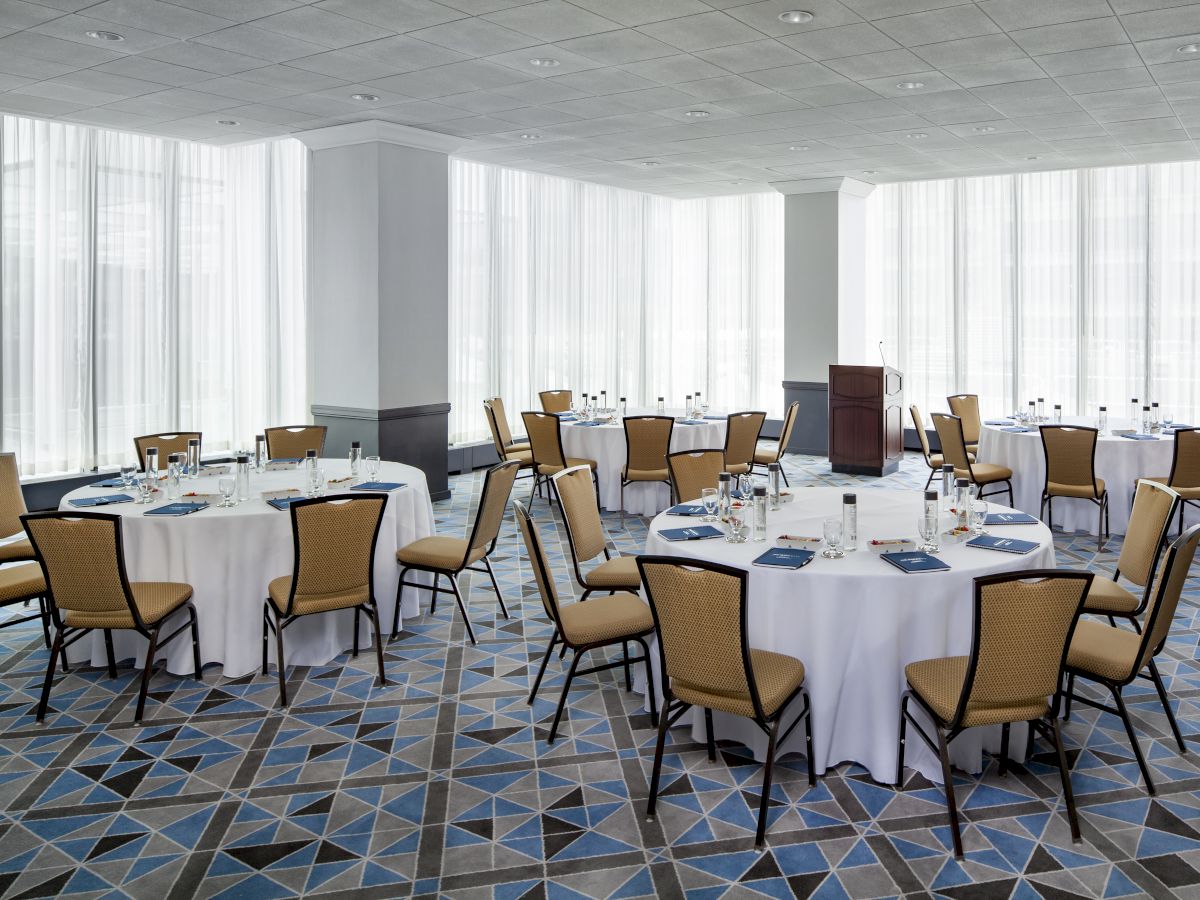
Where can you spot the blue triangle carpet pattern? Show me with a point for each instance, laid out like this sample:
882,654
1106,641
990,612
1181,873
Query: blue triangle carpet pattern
442,784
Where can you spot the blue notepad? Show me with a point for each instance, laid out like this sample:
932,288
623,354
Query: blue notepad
177,509
689,422
285,459
563,417
1012,518
915,561
785,558
717,418
1141,437
586,424
1016,429
999,422
1004,545
699,533
377,486
106,500
107,483
686,509
283,502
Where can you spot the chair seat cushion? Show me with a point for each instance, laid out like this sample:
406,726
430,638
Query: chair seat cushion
19,583
16,551
279,588
438,552
1085,491
777,676
517,447
939,682
1187,493
1102,651
972,448
647,475
1106,596
985,473
738,468
523,456
764,456
936,460
155,600
608,618
548,469
620,572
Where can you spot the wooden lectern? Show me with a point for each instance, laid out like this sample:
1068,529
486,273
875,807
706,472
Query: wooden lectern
866,421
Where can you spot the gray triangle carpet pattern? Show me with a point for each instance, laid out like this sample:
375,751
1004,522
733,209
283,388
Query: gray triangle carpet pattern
442,784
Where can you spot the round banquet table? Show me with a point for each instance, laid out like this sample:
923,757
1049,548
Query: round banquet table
1120,462
605,444
229,555
856,622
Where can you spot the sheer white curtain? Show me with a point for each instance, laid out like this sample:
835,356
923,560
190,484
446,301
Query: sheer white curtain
557,283
1077,286
145,285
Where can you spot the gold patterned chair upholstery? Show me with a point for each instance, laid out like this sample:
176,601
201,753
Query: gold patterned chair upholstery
585,535
954,450
447,557
502,439
706,660
966,407
334,569
1185,470
694,470
22,584
601,622
167,443
83,559
1114,657
294,441
545,439
12,507
741,439
647,443
1023,625
1070,452
935,461
765,455
555,401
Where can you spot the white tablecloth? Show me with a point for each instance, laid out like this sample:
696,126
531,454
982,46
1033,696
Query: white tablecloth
229,556
856,623
606,445
1119,461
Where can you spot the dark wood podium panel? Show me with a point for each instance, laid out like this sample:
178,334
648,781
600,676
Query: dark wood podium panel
866,421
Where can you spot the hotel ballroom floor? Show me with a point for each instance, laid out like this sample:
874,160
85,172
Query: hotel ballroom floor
442,784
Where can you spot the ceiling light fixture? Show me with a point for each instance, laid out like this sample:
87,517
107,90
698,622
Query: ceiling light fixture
917,135
530,136
649,163
105,36
910,85
365,98
228,122
1189,48
870,171
697,114
798,147
1031,158
985,129
796,17
544,62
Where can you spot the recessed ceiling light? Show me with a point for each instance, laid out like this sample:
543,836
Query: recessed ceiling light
530,136
870,172
985,129
698,113
365,98
227,122
1031,158
796,17
917,135
105,36
544,62
798,147
735,182
1189,48
910,85
649,163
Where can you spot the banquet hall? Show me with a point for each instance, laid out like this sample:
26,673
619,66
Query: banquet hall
478,448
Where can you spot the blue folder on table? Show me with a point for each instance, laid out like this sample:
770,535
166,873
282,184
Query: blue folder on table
285,459
284,502
565,418
1012,518
586,424
106,500
717,418
686,509
999,422
177,509
1004,545
1016,429
699,533
378,486
1141,437
785,558
107,483
690,422
914,561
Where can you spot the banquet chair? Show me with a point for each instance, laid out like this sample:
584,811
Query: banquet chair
334,569
585,535
764,456
506,448
449,557
580,627
545,440
741,439
82,556
1154,506
647,443
555,401
12,507
1113,657
168,443
294,441
1070,452
935,461
694,470
1023,625
954,451
705,660
1185,470
966,407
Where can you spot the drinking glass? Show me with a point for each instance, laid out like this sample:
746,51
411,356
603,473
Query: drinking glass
738,524
146,485
316,478
227,486
708,496
745,485
373,467
128,476
833,538
927,528
979,512
1168,419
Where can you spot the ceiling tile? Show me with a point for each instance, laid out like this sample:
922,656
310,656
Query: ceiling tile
534,116
639,12
479,7
877,65
1165,50
758,104
1121,7
343,66
456,78
764,16
161,18
702,32
188,99
794,78
1132,113
722,88
549,90
752,57
291,79
1129,97
961,115
474,37
613,48
243,90
1070,36
968,51
1013,14
552,20
75,28
235,10
1161,23
27,104
879,9
934,82
937,26
397,15
1173,73
258,42
995,72
152,70
13,63
845,40
55,50
404,53
1113,79
317,26
831,94
568,62
604,81
16,15
482,102
206,59
66,93
1077,62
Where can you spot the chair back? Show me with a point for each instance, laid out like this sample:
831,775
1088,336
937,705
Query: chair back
694,470
555,401
171,442
537,559
741,436
699,611
789,422
294,441
545,438
966,407
954,446
919,425
489,412
83,560
334,539
1185,462
1153,508
12,500
1070,452
581,512
1023,626
497,487
647,442
1167,588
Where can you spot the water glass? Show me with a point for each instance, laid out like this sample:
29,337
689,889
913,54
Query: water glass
927,527
316,480
738,523
833,538
227,486
708,496
128,476
373,467
979,513
745,485
146,485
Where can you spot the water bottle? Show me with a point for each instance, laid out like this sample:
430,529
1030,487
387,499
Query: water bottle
310,471
355,458
152,463
1031,415
662,405
1057,413
773,473
174,472
1102,420
931,509
962,503
1134,406
1041,409
242,489
595,405
849,522
1154,418
260,453
621,407
758,527
1145,420
193,458
603,399
724,494
947,486
687,406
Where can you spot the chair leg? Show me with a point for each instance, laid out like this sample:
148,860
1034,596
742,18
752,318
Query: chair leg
1068,794
396,611
462,607
562,700
45,614
628,679
656,770
764,800
265,625
147,671
108,649
948,780
900,742
1156,677
622,503
54,651
487,564
196,664
708,734
283,699
649,681
808,741
354,651
373,612
537,682
1133,741
1070,695
1004,729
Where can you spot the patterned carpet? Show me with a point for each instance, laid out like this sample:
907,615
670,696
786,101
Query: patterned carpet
442,784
